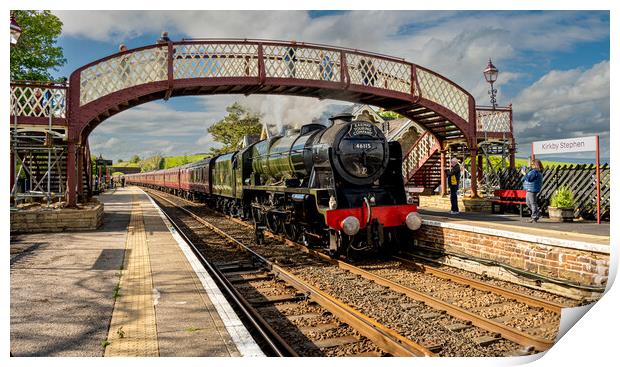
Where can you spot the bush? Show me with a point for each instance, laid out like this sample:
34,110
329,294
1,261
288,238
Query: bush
562,198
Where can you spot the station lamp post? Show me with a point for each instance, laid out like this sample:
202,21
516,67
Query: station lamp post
490,74
16,31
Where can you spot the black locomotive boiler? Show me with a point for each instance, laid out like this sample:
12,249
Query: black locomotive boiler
338,186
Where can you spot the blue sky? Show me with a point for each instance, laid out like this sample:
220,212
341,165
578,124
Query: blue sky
554,66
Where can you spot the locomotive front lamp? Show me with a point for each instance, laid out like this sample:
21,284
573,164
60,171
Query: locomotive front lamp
350,225
413,221
16,31
490,74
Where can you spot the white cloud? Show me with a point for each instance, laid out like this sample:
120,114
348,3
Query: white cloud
107,144
565,104
456,45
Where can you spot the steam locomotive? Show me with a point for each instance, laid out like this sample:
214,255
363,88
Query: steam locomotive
339,187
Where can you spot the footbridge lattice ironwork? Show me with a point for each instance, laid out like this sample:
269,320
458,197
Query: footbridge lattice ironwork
126,79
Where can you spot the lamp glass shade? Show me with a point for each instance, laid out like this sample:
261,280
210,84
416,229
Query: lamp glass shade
16,31
491,72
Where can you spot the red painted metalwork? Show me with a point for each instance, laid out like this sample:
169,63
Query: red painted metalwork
81,119
388,216
442,167
474,181
598,184
71,196
80,169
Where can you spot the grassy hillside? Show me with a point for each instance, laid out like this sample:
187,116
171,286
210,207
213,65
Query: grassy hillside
520,162
170,162
126,164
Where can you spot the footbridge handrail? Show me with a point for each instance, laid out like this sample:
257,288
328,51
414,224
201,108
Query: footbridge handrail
423,147
214,58
38,99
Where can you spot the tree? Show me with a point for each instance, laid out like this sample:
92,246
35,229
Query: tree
388,115
35,53
120,160
134,159
231,129
152,163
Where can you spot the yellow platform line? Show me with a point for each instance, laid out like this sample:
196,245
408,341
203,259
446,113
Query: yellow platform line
133,330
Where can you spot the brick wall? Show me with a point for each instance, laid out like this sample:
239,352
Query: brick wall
578,262
86,217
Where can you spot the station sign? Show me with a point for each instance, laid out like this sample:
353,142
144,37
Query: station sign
571,145
574,145
103,162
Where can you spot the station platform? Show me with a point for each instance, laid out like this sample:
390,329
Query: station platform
588,231
130,288
569,259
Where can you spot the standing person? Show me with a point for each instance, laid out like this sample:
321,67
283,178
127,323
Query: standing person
124,65
454,178
163,39
532,183
162,59
122,181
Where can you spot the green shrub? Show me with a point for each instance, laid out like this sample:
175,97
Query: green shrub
562,198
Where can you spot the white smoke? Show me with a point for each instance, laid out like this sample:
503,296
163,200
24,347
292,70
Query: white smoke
290,111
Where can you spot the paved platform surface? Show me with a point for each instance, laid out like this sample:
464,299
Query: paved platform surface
63,288
586,231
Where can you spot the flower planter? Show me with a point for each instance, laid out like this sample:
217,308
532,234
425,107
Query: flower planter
561,214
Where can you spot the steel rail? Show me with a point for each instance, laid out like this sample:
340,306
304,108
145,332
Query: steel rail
505,331
273,340
476,284
384,337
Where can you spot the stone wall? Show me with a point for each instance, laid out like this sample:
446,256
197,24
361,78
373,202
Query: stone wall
85,217
575,262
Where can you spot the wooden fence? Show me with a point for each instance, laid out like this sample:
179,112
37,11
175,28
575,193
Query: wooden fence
580,178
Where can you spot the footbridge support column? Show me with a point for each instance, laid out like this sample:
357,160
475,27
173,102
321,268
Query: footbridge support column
71,195
474,163
442,164
80,173
511,152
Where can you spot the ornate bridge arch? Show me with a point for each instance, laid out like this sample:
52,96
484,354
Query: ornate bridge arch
120,81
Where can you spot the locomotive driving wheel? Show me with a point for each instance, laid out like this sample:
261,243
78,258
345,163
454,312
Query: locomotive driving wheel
292,231
272,222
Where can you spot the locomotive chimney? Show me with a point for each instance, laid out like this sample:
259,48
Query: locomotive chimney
292,131
342,117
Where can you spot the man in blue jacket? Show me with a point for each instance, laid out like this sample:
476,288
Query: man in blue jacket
532,183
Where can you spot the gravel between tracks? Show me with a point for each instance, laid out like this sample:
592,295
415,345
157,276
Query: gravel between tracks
537,321
217,250
394,310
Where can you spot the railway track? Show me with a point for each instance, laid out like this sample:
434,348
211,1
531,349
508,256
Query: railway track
443,313
291,316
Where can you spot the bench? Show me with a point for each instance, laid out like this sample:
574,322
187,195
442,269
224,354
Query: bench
508,197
